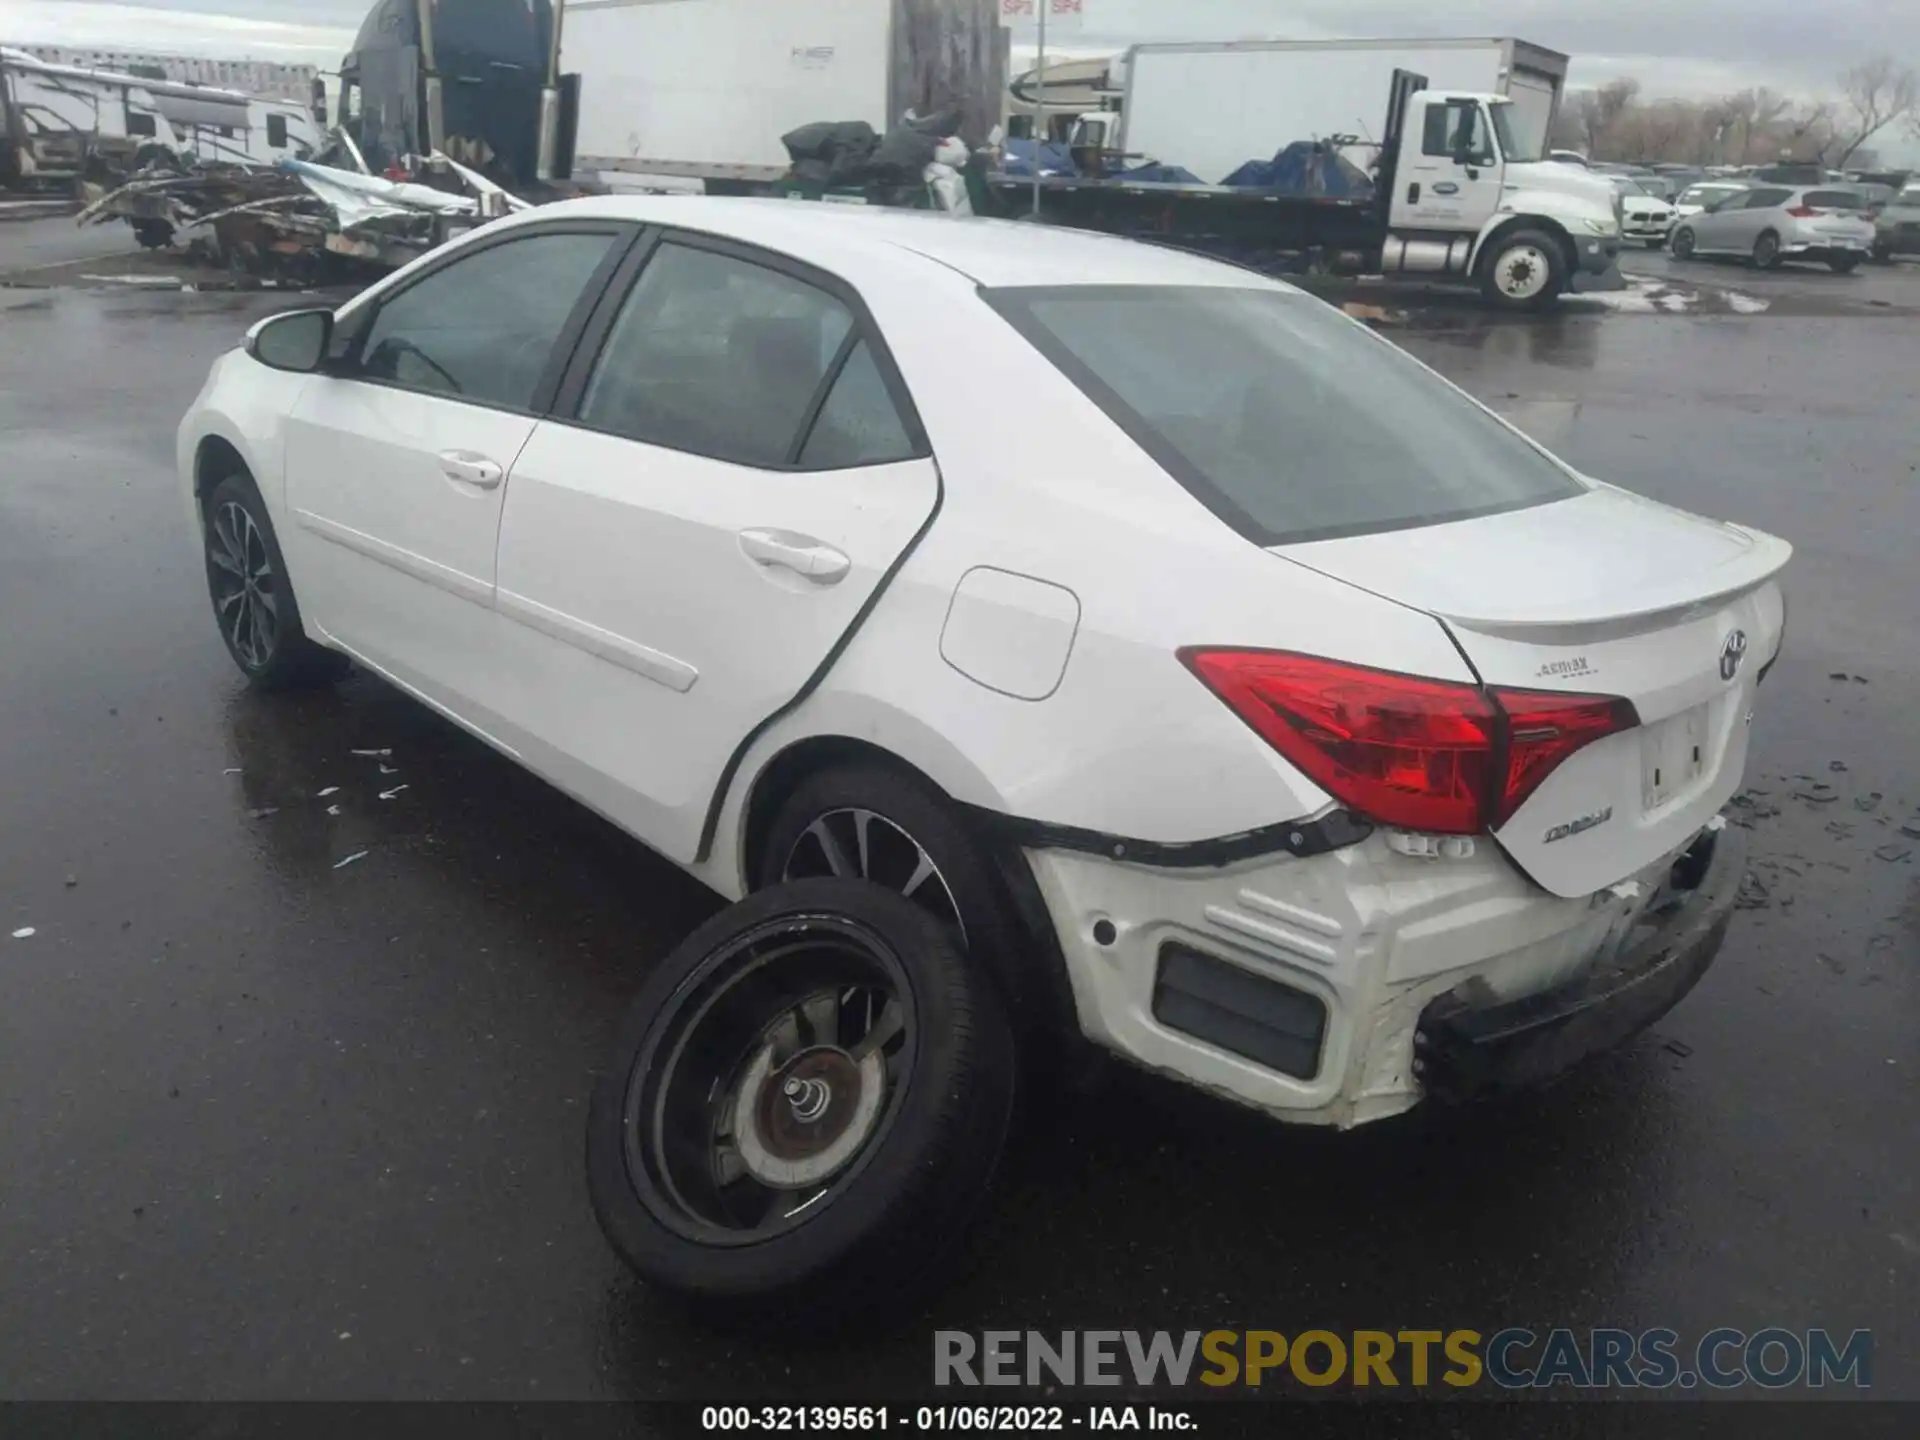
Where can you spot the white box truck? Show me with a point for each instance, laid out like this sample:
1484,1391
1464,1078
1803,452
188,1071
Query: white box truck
1456,188
1212,107
702,90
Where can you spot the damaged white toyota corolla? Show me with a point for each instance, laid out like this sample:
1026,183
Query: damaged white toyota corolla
1199,673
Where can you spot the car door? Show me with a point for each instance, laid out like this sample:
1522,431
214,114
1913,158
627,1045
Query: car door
1438,191
733,469
397,453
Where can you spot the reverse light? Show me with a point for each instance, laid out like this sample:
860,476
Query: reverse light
1432,755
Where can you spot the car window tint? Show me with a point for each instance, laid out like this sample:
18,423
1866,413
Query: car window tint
1289,420
1767,199
859,424
715,355
1834,199
484,327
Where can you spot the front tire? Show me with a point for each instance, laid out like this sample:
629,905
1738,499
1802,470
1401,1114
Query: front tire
1682,244
804,1108
253,601
1526,271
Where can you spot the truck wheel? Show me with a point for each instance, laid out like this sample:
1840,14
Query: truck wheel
1526,271
804,1107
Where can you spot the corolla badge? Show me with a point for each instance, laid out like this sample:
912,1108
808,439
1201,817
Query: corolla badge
1732,653
1577,827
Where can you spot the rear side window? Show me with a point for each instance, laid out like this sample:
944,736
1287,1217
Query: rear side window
859,424
716,356
483,328
1834,199
1286,419
1767,199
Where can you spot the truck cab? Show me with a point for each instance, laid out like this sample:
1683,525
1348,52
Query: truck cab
1464,197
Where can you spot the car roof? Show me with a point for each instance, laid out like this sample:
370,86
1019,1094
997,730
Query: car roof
990,252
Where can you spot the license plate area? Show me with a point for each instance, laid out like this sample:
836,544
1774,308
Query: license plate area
1673,755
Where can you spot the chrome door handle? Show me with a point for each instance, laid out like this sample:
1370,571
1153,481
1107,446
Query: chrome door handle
471,469
802,554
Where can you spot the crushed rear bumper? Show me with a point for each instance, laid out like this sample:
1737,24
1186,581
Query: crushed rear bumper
1463,1049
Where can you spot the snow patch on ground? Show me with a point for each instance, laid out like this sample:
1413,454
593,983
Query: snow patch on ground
1746,304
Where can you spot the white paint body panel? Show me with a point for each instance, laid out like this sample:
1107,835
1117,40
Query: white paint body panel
1010,633
624,646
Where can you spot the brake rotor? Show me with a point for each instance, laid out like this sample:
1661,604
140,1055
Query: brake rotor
798,1122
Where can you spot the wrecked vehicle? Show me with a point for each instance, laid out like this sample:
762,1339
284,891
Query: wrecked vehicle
299,215
1248,702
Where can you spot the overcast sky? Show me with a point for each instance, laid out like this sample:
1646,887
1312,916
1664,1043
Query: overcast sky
1678,47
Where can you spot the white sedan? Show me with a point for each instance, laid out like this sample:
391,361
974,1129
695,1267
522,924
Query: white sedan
1204,676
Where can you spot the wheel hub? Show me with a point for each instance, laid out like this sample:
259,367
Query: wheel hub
798,1121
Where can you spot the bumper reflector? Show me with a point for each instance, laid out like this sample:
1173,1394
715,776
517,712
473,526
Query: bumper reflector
1269,1023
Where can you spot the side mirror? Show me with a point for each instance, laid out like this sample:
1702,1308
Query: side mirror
296,341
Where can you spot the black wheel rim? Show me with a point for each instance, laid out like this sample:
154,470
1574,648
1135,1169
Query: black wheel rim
246,592
865,845
768,1081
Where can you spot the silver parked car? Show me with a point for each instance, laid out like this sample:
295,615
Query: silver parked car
1897,227
1705,194
1772,223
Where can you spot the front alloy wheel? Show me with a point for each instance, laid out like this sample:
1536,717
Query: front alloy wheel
246,592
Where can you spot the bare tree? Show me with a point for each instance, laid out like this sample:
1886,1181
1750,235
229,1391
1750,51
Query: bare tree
1876,94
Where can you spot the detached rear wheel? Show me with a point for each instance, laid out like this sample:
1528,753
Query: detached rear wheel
1526,271
806,1104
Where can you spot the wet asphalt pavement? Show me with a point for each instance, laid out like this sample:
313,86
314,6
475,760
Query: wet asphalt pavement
270,1128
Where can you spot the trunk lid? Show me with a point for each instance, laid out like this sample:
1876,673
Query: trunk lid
1611,594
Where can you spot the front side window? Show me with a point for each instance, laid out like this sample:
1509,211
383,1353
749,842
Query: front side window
483,328
1285,418
717,356
1458,127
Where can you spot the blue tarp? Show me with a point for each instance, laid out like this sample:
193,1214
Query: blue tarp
1159,174
1055,158
1304,168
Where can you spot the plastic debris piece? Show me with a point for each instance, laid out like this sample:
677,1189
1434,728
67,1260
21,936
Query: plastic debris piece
389,794
330,790
333,809
381,754
231,770
357,855
389,769
263,812
1893,853
25,932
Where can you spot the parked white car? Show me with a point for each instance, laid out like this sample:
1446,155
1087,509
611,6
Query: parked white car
1772,223
1645,215
1208,678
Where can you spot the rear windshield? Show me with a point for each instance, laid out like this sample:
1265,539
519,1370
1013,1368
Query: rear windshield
1285,418
1835,199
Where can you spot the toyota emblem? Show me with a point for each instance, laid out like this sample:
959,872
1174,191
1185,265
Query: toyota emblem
1732,653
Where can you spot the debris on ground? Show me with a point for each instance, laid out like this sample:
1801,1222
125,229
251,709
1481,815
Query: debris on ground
1893,853
25,932
300,218
330,790
381,754
1754,894
357,855
389,794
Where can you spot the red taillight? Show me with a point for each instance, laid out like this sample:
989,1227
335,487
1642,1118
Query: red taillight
1432,755
1803,212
